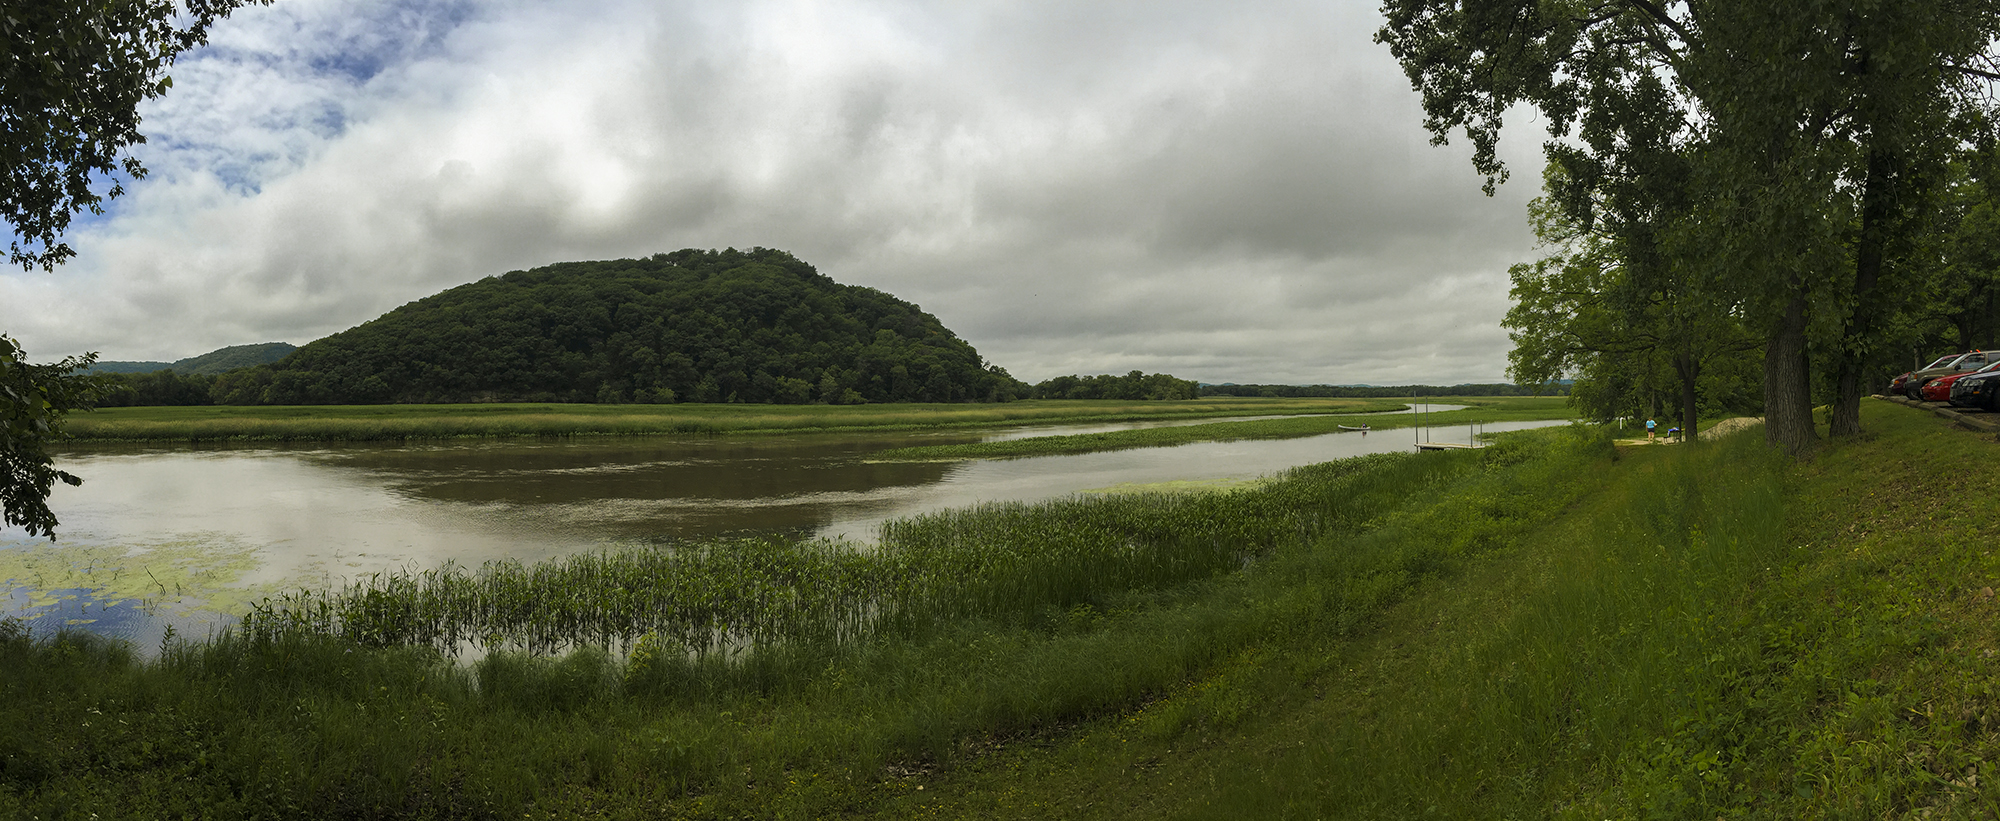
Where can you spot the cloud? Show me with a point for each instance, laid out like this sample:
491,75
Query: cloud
1214,191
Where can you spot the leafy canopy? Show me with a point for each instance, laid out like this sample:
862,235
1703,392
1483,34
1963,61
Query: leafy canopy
33,400
72,76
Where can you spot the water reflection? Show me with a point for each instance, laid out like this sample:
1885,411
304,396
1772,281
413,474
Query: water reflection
202,531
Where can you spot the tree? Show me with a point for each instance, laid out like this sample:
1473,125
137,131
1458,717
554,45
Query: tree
1809,127
1588,312
33,399
1619,200
72,76
1955,304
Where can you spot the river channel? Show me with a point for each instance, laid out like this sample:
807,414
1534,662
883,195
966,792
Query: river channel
182,536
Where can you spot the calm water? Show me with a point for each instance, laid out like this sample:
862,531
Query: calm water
199,531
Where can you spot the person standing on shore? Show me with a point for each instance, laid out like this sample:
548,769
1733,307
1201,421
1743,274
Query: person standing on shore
1649,430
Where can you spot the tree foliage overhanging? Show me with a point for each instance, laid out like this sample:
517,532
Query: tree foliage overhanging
690,326
33,401
72,76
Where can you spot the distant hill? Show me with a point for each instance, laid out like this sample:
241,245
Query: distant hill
693,325
118,366
213,362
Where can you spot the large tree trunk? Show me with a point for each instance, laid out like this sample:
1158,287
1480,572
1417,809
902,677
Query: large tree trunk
1689,370
1787,385
1856,343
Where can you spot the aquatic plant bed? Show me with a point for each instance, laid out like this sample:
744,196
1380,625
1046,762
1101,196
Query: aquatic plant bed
1550,627
402,422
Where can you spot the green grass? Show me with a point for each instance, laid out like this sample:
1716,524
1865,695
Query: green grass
1488,410
401,422
1546,628
1711,632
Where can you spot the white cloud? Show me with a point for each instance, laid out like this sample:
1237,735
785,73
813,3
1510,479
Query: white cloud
1221,192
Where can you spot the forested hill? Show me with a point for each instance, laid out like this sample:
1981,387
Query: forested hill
693,325
216,361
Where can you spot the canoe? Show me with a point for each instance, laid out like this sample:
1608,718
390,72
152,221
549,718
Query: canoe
1350,427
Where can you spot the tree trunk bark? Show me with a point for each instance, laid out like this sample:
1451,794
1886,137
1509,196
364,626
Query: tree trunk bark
1856,342
1787,385
1689,370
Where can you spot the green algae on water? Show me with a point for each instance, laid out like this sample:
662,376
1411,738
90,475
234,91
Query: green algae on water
181,575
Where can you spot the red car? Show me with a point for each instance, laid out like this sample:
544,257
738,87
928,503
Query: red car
1939,389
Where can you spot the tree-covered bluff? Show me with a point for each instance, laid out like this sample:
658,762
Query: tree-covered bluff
689,326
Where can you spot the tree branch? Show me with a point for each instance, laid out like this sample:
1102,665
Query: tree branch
1657,13
1976,72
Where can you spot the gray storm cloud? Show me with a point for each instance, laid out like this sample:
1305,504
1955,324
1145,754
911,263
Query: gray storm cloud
1224,192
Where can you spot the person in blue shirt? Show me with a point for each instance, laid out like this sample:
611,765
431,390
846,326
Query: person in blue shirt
1649,430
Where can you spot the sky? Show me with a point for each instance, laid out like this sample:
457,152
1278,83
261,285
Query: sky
1228,192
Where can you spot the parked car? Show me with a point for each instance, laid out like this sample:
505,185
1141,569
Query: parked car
1979,390
1960,363
1900,386
1939,389
1896,385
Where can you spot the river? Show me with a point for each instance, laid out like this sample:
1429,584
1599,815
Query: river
161,537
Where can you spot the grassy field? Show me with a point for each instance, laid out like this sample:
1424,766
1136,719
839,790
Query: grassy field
398,422
1448,425
1552,627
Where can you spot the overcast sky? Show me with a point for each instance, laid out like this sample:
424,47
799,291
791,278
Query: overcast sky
1234,192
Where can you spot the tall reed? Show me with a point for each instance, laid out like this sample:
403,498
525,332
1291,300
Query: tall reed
995,561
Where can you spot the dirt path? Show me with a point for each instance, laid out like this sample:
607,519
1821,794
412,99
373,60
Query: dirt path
1722,428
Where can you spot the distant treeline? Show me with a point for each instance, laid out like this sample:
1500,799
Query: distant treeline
1384,391
170,387
155,388
1134,385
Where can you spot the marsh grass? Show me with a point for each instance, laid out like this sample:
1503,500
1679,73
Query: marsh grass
1522,409
403,422
730,598
961,631
1545,628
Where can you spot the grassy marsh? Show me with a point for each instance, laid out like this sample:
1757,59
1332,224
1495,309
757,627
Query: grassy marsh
398,422
1551,627
1487,410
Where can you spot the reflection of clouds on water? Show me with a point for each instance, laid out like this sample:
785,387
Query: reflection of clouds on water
1043,477
261,519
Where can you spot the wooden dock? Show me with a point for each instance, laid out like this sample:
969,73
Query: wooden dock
1422,432
1444,446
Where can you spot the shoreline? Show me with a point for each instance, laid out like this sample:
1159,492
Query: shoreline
382,423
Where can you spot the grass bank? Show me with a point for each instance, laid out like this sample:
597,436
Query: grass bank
402,422
1448,424
1551,627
